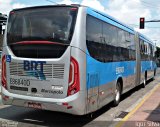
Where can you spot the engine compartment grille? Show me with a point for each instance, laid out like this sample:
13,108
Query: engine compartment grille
49,70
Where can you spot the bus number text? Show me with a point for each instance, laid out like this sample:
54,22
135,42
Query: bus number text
20,82
119,70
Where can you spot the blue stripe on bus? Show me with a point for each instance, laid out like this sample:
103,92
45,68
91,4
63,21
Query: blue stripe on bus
148,65
109,20
107,71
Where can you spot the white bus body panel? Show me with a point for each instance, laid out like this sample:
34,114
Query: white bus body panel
50,101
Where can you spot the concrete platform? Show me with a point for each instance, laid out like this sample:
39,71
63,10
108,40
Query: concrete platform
146,113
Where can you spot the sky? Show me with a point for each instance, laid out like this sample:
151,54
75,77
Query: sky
127,11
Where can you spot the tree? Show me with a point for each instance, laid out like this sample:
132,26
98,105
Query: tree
157,53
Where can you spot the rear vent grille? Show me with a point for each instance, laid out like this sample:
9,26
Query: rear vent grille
49,70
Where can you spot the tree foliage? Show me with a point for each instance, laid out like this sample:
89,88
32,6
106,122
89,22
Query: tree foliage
157,53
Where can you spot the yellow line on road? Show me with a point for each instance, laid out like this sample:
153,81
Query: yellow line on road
137,107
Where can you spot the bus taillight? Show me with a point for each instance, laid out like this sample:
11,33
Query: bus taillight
74,80
4,80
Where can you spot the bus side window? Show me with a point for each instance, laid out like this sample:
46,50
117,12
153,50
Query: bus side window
94,37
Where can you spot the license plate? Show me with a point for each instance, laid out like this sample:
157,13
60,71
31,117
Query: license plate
34,105
19,88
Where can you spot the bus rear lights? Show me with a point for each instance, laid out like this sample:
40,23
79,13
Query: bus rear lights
67,105
3,73
12,12
74,79
73,91
5,98
37,42
73,9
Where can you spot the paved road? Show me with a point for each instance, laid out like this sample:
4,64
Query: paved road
107,116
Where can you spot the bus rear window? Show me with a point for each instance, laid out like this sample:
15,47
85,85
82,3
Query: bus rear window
55,24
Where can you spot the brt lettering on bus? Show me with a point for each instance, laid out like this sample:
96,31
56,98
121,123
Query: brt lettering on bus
35,69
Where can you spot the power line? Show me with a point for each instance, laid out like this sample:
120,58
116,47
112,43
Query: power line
135,25
152,21
51,1
151,6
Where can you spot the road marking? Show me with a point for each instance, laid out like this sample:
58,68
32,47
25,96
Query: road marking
137,107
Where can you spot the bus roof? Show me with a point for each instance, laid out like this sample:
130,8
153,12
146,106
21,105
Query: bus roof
44,6
113,21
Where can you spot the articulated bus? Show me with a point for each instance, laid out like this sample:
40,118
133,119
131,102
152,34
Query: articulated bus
72,59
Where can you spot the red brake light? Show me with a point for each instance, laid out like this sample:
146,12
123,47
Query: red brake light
38,42
12,12
73,9
3,75
71,74
74,80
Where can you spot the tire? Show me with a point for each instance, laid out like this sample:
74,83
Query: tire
117,96
90,115
154,72
153,78
144,81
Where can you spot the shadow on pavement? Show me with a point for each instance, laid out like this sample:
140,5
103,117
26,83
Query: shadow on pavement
154,115
48,118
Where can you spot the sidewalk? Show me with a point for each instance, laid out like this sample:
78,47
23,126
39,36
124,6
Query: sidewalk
146,113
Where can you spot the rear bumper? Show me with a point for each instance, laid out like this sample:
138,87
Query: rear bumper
76,102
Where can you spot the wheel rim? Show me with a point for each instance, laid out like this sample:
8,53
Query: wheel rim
144,82
117,93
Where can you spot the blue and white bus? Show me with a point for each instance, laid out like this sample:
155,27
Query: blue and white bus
71,58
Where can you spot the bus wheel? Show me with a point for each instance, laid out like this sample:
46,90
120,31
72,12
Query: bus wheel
153,78
145,80
154,73
90,115
117,94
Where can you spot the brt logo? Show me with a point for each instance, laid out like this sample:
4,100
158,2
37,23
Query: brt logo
35,69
